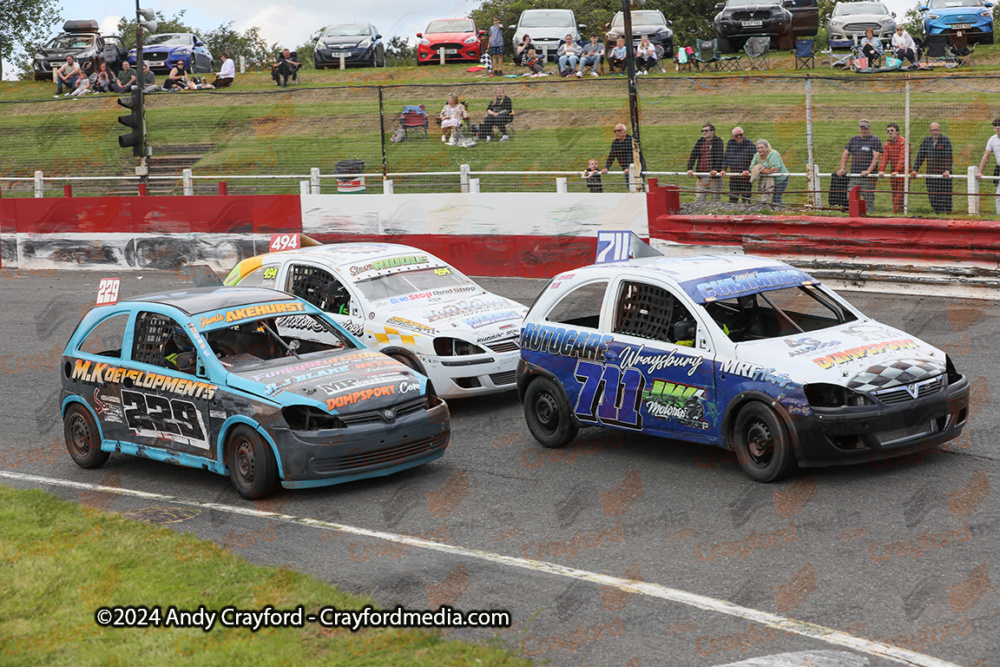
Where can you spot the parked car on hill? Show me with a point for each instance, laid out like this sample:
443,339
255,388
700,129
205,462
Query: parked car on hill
650,22
82,40
547,28
458,37
849,21
250,383
971,18
162,51
359,43
781,20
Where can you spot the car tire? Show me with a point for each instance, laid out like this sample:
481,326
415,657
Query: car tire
251,465
83,439
763,447
547,414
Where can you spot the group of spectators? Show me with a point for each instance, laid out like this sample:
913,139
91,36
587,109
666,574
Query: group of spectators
573,59
71,77
499,114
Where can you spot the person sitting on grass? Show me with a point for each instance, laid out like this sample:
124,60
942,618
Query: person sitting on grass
534,63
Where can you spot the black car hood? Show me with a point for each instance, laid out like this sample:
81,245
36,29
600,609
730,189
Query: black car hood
343,41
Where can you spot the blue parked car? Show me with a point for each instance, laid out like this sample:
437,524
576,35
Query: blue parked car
161,52
972,18
246,382
359,43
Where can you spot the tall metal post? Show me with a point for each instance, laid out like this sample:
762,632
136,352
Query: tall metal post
381,127
143,169
906,154
810,181
633,93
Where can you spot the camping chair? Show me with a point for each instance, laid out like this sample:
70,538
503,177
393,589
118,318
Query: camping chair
936,51
706,58
728,63
757,50
413,118
805,57
961,49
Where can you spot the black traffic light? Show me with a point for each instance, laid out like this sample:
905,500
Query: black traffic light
134,121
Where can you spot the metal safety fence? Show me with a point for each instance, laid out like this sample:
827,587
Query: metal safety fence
358,138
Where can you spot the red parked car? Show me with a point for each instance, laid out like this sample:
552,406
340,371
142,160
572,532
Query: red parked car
458,37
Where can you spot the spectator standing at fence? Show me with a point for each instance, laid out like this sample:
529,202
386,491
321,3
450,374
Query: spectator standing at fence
521,50
496,47
67,75
707,155
591,56
227,74
992,146
569,56
736,161
622,151
864,151
592,174
895,155
645,56
936,150
284,68
498,114
616,59
903,45
452,116
769,163
125,79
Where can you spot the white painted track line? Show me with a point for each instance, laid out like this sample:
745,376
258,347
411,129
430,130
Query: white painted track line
652,590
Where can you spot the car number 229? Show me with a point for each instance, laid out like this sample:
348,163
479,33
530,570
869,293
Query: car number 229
155,416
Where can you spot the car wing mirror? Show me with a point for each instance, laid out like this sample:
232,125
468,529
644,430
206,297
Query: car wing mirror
582,26
419,34
511,27
198,42
921,9
378,36
720,6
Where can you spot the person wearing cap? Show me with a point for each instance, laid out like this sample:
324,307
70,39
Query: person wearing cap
707,155
736,160
864,151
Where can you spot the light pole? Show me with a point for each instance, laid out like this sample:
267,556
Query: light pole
149,24
633,93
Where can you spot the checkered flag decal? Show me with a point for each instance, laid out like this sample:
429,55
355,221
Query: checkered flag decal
897,373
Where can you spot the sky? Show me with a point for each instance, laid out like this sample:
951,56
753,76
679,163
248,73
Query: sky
292,23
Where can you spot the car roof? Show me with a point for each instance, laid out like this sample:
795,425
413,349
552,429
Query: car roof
342,254
204,299
704,277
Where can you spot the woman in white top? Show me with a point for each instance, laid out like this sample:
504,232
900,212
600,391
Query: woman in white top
645,56
452,116
904,46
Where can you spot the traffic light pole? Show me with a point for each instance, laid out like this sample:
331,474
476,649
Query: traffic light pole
143,169
633,93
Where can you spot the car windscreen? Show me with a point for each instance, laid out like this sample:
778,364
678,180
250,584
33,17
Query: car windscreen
946,4
778,313
409,282
639,18
749,3
256,341
562,19
854,8
347,30
66,42
168,40
450,26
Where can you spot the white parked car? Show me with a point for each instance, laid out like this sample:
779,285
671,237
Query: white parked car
849,20
406,303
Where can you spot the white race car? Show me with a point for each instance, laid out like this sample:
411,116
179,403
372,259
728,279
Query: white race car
407,304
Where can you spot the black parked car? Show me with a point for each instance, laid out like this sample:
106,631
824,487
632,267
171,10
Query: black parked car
781,20
650,22
82,40
359,43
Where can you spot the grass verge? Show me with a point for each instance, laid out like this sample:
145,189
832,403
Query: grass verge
61,561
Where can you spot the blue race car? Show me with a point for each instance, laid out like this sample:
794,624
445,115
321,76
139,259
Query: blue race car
246,382
744,353
161,52
971,18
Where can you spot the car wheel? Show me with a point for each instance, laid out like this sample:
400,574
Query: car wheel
547,414
83,439
251,464
762,444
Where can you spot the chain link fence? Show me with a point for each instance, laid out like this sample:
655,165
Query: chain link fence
273,141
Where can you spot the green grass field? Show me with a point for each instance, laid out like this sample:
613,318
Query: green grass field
61,562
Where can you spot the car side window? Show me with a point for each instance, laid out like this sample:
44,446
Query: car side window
319,287
649,311
106,338
159,340
581,307
262,276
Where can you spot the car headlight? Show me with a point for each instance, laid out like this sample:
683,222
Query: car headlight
838,23
471,39
823,395
888,21
365,43
933,16
423,42
454,347
182,51
308,418
985,14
